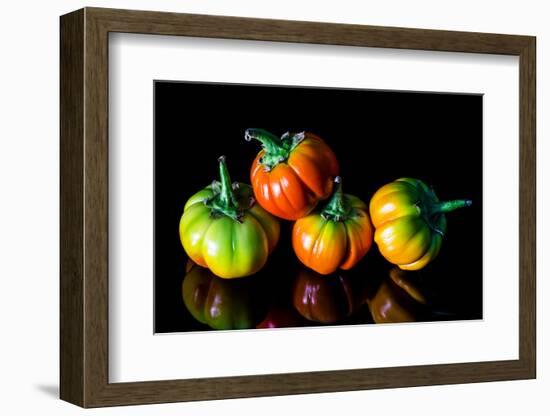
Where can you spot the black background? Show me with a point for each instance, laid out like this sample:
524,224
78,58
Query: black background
377,136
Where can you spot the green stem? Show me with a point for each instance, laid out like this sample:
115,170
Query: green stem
226,198
224,201
275,150
269,141
336,208
448,206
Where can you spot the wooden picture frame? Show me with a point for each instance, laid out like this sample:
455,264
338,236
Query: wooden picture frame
84,207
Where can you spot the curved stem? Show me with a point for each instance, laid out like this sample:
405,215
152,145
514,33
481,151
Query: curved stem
227,199
269,141
448,206
336,206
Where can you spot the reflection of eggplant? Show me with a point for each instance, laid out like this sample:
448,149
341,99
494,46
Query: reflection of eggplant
398,299
280,311
325,298
281,316
405,280
219,303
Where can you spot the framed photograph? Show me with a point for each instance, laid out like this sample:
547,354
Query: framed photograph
256,207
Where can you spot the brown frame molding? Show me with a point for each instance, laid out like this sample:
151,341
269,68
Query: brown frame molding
84,207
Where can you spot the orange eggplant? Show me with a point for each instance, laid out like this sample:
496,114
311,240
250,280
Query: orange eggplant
291,174
336,236
410,222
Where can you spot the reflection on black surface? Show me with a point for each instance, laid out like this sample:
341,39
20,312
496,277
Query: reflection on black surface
397,299
372,292
326,299
281,316
220,303
281,312
406,296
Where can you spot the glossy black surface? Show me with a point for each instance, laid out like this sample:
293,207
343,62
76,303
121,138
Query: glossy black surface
377,136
